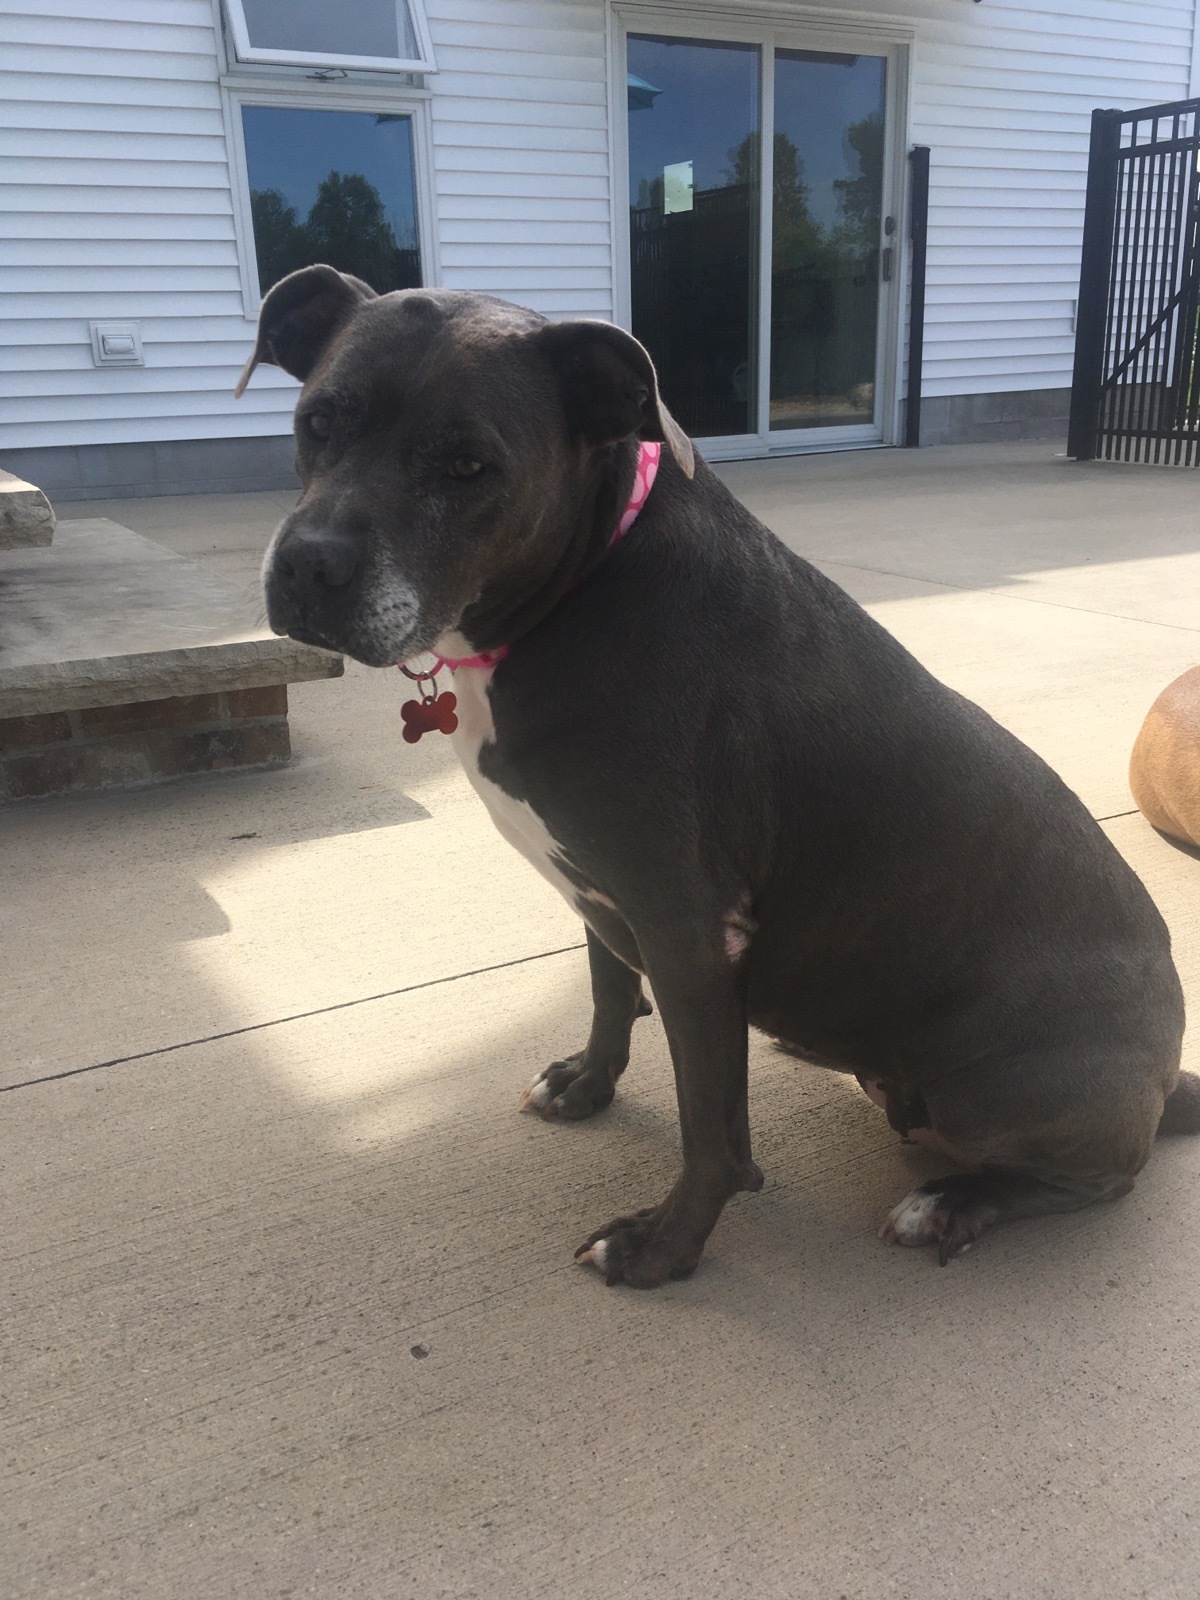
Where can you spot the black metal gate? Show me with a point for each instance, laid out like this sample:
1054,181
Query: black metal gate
1136,390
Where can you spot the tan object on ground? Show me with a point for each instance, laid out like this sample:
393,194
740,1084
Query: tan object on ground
1164,770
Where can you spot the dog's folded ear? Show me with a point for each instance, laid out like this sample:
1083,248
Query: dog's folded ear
299,317
609,387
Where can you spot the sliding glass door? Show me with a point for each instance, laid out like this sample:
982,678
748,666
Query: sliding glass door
826,238
694,120
760,254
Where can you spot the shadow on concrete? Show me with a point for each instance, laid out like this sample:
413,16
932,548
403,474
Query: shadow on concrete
970,516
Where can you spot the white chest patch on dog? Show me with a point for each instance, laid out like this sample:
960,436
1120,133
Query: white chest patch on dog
516,820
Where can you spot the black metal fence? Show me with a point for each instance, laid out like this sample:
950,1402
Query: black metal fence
918,228
1136,389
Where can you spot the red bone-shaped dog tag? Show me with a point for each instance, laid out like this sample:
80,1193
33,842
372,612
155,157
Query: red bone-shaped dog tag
434,713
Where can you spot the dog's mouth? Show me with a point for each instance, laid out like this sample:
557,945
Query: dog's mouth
378,626
365,651
311,636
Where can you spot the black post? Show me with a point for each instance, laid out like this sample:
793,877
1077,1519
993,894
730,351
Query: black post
1095,273
1185,358
919,232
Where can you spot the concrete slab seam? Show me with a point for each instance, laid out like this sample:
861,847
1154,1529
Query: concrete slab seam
276,1022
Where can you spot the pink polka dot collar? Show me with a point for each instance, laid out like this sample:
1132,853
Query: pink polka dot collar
647,470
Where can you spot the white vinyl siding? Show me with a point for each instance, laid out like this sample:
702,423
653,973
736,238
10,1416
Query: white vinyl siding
521,151
1003,94
117,204
117,197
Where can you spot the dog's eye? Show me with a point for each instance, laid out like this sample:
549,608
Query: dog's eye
318,424
465,467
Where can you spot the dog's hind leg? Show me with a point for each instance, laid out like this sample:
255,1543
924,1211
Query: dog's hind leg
953,1212
1041,1134
586,1082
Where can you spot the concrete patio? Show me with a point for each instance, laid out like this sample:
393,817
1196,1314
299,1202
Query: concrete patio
291,1309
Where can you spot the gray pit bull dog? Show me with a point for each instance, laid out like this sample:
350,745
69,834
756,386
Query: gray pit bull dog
751,793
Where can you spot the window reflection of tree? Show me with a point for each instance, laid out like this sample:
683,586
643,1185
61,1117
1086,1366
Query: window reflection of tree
860,194
824,283
798,240
694,270
347,227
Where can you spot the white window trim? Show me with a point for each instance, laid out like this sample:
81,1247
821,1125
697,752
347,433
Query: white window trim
413,103
771,24
254,55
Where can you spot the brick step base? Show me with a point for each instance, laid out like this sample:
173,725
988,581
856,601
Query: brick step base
59,752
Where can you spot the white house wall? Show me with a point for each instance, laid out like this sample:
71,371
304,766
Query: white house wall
520,131
116,186
1003,94
116,195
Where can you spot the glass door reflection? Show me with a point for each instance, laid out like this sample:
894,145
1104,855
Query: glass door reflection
826,254
758,254
694,182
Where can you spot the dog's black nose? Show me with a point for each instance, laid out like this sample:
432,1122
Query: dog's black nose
307,560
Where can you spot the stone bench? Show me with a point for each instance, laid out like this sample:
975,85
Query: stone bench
122,664
26,516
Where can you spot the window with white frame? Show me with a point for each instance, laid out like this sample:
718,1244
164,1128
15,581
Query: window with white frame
382,35
330,161
330,148
327,184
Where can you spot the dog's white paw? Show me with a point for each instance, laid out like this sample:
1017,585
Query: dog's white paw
596,1255
538,1095
920,1218
567,1089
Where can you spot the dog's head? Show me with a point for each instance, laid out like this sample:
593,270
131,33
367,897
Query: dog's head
458,457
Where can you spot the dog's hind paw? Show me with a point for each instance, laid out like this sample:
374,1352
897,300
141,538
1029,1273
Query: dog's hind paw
933,1215
568,1089
920,1218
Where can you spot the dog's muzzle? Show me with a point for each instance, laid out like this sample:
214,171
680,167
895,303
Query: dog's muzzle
311,579
324,587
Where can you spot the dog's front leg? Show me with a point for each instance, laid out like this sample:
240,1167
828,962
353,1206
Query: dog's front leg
587,1081
702,1004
